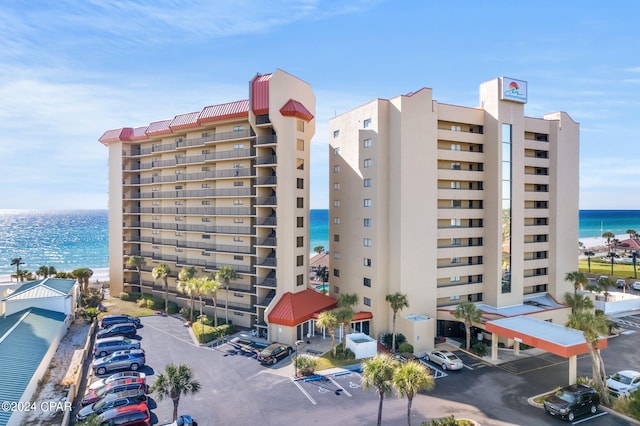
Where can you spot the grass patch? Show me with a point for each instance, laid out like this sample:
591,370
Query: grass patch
118,306
326,361
603,267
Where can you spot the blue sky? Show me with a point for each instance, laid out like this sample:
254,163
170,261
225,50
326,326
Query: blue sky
71,69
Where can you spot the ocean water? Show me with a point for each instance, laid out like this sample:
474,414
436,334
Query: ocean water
70,239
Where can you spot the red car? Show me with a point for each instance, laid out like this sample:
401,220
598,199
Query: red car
115,386
129,415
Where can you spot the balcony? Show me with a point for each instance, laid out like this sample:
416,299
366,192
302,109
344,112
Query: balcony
268,282
212,211
266,140
266,160
267,221
267,201
215,137
266,180
244,230
198,193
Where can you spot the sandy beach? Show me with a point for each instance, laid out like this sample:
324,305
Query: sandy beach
99,274
599,242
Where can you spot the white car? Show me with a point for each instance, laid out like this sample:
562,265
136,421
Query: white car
623,382
122,375
445,359
636,285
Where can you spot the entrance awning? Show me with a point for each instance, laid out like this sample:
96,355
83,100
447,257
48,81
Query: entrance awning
295,308
554,338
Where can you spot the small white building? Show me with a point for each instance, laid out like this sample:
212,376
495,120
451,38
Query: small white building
362,345
53,294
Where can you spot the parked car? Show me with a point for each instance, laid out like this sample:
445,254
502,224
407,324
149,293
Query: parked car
447,360
572,401
115,386
109,320
636,285
122,375
107,345
184,420
124,329
620,283
118,399
130,415
623,382
274,353
131,360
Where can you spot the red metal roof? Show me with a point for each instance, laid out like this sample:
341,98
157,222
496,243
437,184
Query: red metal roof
260,94
159,128
116,135
295,308
296,109
139,133
631,243
237,109
184,121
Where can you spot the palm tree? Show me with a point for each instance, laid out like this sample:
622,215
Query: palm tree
609,236
603,285
469,313
17,261
409,379
318,249
225,275
346,302
212,288
52,271
162,271
578,279
632,233
578,302
187,286
177,380
137,262
344,315
377,373
329,322
589,254
43,272
397,302
593,325
82,275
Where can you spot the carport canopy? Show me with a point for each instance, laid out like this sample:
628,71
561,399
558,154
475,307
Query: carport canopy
554,338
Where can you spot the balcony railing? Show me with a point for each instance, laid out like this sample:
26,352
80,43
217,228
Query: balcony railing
238,134
237,211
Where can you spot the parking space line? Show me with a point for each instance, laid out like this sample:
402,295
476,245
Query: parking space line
170,334
295,382
339,386
589,418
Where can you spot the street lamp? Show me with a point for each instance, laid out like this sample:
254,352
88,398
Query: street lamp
295,365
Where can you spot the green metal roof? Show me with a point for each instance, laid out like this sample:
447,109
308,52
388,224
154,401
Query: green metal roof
60,285
25,337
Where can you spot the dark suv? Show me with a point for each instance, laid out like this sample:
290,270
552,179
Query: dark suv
572,401
125,329
114,400
109,320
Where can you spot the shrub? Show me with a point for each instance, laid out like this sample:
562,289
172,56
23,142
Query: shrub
92,299
173,308
306,364
89,313
405,347
124,295
151,304
186,313
142,303
479,349
387,339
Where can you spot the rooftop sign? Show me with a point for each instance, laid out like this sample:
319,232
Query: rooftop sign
513,90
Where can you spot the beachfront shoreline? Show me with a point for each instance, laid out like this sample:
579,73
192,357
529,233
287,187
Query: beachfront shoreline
99,274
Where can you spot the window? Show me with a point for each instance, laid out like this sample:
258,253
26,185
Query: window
300,279
206,134
238,146
238,257
367,262
367,202
205,152
205,185
239,314
455,147
367,143
300,126
178,203
336,220
299,163
456,128
206,168
336,133
336,151
367,183
455,279
299,241
456,166
455,241
455,260
300,222
336,238
336,169
300,144
368,162
238,202
336,255
299,260
238,295
456,222
336,289
336,203
204,253
238,220
367,242
366,123
300,183
367,222
206,237
366,282
237,239
336,272
367,301
454,298
238,128
204,219
300,202
456,204
238,183
456,185
336,185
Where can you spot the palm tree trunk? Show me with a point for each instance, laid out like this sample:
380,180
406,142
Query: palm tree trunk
175,409
393,334
410,400
226,305
191,308
467,327
380,408
166,295
215,311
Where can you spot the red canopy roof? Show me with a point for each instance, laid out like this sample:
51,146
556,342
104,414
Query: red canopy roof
296,109
295,308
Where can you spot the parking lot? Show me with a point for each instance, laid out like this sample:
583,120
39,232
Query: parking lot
237,389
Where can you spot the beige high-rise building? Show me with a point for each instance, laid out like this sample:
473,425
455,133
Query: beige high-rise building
447,203
224,186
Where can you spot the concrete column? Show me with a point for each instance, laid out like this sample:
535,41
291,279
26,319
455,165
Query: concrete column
516,349
494,347
573,369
